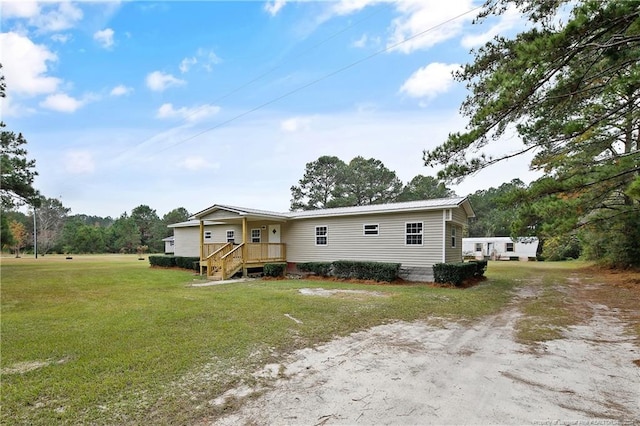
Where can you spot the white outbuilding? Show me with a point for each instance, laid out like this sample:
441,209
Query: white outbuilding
500,248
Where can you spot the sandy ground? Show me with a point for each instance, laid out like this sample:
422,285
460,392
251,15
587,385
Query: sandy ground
416,373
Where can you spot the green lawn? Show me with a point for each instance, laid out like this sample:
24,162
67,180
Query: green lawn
107,339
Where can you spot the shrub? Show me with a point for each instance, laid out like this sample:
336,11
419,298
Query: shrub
184,262
187,262
454,273
163,261
481,267
274,269
322,269
377,271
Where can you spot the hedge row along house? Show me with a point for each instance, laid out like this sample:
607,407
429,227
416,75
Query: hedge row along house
416,234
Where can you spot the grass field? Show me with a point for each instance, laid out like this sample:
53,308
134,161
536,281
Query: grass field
107,339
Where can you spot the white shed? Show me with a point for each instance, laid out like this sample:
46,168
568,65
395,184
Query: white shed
169,243
500,248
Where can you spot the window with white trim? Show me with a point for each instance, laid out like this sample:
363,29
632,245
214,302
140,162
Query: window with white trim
370,229
453,237
322,233
208,235
478,246
413,233
231,236
255,235
509,247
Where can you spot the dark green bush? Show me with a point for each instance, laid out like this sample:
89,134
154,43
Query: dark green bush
377,271
481,267
184,262
187,262
322,269
163,261
454,273
274,269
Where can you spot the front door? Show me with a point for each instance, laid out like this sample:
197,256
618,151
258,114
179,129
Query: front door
274,238
274,234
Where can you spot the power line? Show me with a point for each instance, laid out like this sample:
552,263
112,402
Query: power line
316,81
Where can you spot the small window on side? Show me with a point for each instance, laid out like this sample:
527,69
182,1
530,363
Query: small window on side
231,236
509,247
255,235
370,229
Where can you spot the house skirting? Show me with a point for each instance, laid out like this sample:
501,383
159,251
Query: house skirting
416,273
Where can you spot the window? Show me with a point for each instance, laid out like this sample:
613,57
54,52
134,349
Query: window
453,236
231,236
413,233
171,243
255,235
321,235
478,246
207,235
370,229
509,247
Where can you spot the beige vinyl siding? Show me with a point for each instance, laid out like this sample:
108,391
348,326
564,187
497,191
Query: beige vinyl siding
459,216
453,254
187,241
220,215
347,242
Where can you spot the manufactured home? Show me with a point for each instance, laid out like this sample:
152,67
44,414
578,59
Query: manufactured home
500,248
416,234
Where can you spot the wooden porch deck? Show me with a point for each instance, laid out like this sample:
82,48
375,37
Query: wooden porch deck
223,260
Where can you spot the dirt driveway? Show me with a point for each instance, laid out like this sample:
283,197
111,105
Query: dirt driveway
453,373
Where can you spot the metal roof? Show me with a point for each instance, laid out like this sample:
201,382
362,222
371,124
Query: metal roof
433,204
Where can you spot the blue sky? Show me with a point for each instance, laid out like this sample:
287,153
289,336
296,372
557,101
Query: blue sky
188,104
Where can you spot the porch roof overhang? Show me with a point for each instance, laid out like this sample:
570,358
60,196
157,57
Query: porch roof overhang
240,212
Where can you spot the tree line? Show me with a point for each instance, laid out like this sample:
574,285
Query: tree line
142,230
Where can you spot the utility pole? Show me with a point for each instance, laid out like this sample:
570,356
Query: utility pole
35,234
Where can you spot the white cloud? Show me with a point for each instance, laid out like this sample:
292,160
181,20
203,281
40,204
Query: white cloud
295,124
159,81
191,115
61,38
208,58
196,163
430,81
417,16
20,9
104,37
65,16
274,6
121,90
510,19
62,102
346,7
25,65
79,162
187,63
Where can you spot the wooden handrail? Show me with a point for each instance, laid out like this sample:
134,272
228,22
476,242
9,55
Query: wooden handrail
219,250
214,260
232,259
